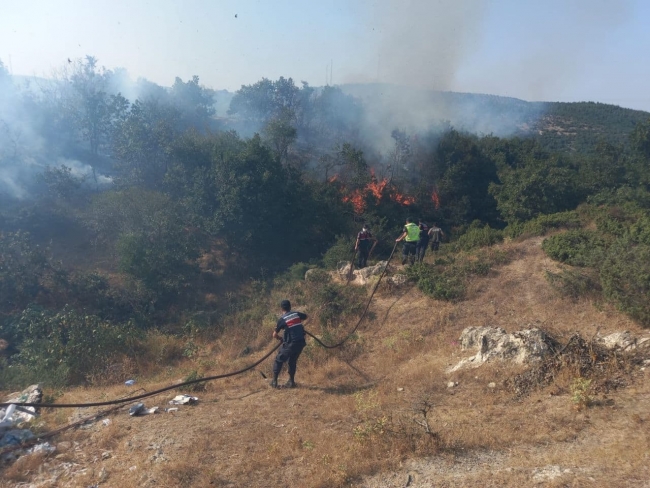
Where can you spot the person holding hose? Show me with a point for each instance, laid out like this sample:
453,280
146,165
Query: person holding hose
293,342
364,244
411,236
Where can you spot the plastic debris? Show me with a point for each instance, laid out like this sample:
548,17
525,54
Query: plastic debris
139,409
45,447
183,400
7,419
129,382
136,409
16,437
171,409
32,394
106,422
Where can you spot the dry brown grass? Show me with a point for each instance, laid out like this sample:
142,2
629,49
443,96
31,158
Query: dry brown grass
357,418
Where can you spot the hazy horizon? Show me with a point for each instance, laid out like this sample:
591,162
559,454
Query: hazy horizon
576,50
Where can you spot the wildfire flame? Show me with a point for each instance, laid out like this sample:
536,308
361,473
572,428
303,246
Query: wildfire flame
379,190
435,198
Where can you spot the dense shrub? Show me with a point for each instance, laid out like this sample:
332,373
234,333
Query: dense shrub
540,225
335,304
478,236
22,267
165,264
625,278
438,282
574,283
63,345
342,250
579,247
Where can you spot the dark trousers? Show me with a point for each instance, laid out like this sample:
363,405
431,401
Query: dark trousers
435,245
409,250
289,353
421,249
364,251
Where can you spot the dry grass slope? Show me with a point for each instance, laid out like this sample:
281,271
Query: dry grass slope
379,413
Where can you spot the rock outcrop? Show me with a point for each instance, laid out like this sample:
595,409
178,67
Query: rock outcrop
624,341
361,276
493,343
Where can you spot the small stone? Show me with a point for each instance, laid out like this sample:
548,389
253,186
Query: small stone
106,455
451,384
400,389
133,468
103,475
492,385
63,446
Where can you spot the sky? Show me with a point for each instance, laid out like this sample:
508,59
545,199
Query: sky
553,50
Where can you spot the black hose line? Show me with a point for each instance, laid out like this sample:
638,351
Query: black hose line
144,395
363,315
120,401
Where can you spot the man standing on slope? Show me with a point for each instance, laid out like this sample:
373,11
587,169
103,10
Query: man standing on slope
411,235
435,233
293,342
422,244
364,245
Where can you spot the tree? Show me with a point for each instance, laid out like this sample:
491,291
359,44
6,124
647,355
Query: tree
281,135
462,173
153,241
534,188
94,111
195,103
265,100
142,143
605,169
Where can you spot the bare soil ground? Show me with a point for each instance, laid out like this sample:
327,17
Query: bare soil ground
356,418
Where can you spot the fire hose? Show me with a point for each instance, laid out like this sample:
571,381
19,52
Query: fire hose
121,401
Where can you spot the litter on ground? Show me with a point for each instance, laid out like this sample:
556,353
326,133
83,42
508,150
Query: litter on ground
183,400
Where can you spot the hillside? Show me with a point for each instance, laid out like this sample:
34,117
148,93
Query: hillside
559,126
356,418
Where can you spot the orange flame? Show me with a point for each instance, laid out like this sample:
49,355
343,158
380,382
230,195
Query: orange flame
403,199
435,198
358,201
378,189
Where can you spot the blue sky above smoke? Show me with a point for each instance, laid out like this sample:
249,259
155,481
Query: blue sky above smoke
532,49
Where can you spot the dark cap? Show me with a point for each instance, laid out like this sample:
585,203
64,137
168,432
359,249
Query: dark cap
285,305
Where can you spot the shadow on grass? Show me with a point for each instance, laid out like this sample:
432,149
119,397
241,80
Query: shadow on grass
346,389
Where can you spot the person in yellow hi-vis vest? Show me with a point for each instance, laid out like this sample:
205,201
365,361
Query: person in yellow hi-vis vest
411,236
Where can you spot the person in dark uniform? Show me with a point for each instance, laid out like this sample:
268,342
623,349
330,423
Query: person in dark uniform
293,342
435,234
363,245
422,244
411,236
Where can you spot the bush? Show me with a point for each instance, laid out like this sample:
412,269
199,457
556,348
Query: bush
573,283
22,268
579,247
625,278
93,291
336,304
342,250
540,225
81,344
165,264
440,283
478,236
297,271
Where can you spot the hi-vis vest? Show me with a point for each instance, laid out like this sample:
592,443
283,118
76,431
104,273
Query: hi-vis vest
412,232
